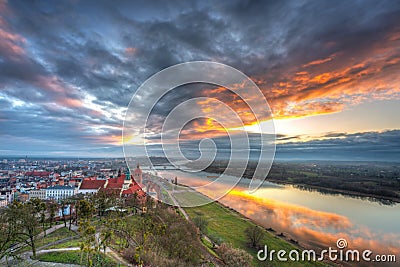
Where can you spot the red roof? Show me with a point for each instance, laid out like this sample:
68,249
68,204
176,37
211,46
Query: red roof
92,184
36,173
116,182
134,188
114,186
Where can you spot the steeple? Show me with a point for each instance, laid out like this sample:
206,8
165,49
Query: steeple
127,174
137,175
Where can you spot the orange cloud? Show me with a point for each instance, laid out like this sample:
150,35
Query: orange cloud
106,139
60,91
330,89
317,88
202,128
130,50
319,61
70,102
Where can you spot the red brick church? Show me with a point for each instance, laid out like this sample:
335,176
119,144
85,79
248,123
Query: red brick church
126,185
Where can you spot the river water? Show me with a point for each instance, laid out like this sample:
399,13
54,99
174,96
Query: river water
314,219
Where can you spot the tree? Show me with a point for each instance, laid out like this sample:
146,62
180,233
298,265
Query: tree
234,257
103,200
40,208
254,235
105,238
73,201
7,234
64,205
26,222
52,208
84,210
69,202
88,235
133,202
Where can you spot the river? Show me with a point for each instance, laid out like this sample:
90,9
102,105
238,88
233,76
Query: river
314,219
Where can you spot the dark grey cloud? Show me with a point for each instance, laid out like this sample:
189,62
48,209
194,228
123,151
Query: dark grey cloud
375,146
79,56
366,146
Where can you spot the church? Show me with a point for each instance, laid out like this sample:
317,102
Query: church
126,185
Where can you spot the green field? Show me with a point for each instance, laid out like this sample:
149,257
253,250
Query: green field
190,198
229,227
67,244
74,257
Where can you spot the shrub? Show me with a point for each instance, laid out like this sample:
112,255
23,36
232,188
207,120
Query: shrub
201,223
234,257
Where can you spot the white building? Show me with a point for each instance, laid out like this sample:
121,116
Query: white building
39,194
3,201
59,192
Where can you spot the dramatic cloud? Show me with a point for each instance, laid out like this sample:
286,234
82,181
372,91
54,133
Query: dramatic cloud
68,69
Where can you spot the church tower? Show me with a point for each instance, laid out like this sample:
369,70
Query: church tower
137,175
127,180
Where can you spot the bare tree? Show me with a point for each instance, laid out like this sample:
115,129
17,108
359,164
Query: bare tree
254,235
26,222
7,234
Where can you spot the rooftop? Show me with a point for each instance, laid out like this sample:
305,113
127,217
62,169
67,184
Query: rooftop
92,184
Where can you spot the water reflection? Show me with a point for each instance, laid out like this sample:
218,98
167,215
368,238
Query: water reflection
332,192
314,219
313,228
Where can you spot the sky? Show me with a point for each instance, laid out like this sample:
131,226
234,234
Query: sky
329,71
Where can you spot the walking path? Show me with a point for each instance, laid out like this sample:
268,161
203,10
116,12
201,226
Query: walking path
176,203
26,261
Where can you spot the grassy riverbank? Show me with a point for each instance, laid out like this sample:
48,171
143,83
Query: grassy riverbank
228,226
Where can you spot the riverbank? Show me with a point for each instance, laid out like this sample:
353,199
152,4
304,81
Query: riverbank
334,191
308,216
226,225
379,182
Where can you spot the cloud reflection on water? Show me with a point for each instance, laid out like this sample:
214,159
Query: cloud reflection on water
316,229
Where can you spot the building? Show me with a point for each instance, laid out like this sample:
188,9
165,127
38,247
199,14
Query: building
38,193
124,185
66,210
38,174
127,180
89,186
3,201
23,197
59,192
137,175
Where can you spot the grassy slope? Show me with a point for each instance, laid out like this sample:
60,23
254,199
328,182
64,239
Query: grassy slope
230,226
73,257
54,236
